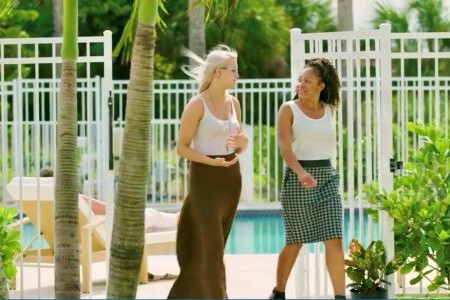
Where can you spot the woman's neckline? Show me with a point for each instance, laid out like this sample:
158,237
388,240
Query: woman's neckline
297,104
230,118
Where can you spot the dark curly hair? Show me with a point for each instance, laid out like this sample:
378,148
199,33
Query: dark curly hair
328,75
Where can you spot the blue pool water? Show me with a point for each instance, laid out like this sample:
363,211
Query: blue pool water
253,232
263,232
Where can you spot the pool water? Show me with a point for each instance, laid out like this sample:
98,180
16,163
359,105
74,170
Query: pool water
253,232
256,232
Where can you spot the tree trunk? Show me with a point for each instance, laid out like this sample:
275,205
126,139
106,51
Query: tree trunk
57,27
57,17
345,15
67,260
197,42
345,23
127,239
4,292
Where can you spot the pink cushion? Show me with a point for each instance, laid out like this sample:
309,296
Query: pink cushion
97,206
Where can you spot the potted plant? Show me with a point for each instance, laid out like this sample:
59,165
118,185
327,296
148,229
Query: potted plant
367,268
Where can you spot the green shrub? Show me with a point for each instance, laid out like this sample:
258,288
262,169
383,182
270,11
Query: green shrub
9,244
420,207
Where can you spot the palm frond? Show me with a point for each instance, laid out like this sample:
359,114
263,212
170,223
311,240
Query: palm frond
221,7
6,6
388,13
125,45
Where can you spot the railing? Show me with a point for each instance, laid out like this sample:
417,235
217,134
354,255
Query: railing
31,123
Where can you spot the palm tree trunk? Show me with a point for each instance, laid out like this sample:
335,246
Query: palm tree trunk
127,239
67,260
57,6
197,42
345,15
4,292
57,17
345,23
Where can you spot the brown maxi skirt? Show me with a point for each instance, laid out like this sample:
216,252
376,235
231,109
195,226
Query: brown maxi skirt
205,222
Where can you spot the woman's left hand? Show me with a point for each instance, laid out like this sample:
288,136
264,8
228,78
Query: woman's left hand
238,141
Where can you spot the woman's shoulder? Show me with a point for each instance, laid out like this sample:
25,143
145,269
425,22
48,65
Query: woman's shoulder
287,105
196,101
286,108
195,105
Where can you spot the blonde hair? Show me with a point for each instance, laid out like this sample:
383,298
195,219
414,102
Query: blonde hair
218,57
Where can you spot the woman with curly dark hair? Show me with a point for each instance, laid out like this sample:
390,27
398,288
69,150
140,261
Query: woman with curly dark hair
310,196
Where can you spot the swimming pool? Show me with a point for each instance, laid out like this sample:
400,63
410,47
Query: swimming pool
253,232
262,231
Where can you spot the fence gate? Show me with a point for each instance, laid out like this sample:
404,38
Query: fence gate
364,131
29,94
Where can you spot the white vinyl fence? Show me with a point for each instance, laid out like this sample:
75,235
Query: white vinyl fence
387,81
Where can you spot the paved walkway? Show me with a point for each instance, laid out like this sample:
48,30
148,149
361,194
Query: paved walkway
250,276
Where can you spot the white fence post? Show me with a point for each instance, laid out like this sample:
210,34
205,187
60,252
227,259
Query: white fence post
246,164
385,146
108,173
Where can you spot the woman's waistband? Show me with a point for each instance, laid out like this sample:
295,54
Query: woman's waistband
226,156
315,163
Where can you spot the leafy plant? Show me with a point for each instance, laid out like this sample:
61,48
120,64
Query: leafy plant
367,268
9,243
420,207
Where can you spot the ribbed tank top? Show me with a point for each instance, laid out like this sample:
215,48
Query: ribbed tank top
212,133
313,139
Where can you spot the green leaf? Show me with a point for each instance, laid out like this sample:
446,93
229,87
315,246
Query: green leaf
416,279
407,268
443,235
432,287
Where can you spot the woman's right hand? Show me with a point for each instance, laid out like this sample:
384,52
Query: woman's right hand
307,180
221,162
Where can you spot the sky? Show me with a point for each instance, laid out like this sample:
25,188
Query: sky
364,10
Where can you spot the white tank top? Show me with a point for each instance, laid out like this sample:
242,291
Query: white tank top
313,139
212,133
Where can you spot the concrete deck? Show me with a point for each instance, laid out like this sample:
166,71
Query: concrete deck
250,276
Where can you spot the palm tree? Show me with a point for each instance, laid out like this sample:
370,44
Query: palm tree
127,240
57,8
345,15
67,261
197,42
57,17
431,15
388,13
4,292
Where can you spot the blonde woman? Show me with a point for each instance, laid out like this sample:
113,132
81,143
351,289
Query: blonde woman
210,136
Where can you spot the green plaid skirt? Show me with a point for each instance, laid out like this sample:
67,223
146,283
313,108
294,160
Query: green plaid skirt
312,214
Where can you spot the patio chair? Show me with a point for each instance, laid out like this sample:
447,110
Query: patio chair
92,228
